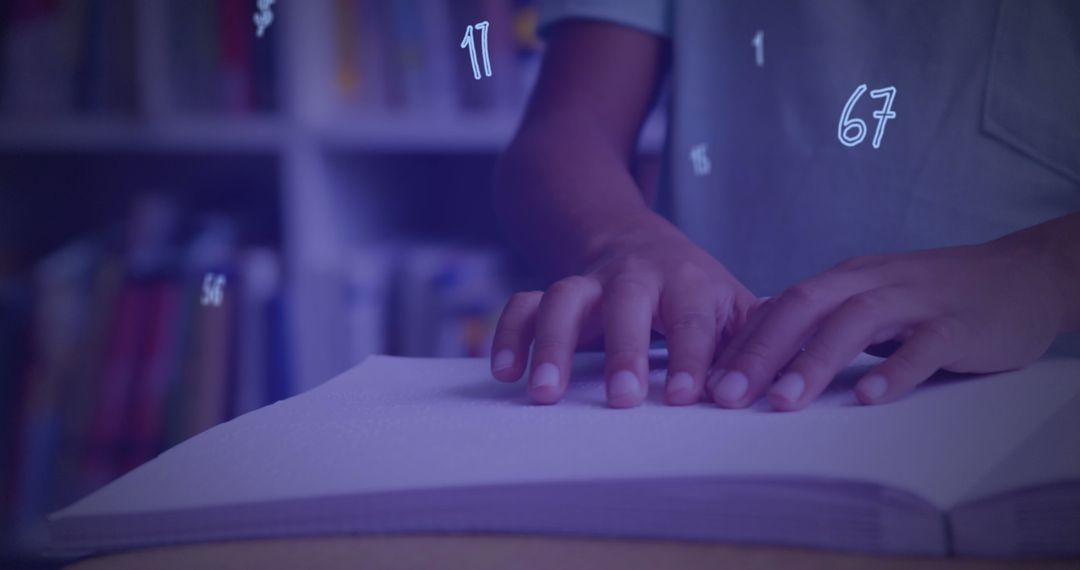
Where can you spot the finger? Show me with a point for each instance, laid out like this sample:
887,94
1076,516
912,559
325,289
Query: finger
628,309
929,349
688,310
558,322
513,334
841,336
717,371
776,340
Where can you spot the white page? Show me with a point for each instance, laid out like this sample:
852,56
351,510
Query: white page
399,424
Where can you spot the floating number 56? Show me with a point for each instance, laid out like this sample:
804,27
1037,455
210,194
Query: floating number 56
852,131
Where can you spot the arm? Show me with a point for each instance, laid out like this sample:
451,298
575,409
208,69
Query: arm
982,308
563,189
566,196
1058,242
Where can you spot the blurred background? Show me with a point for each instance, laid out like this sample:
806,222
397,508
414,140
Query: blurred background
329,179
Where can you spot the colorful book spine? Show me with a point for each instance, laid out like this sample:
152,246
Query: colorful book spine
144,427
280,384
106,429
372,73
16,298
264,66
236,58
346,50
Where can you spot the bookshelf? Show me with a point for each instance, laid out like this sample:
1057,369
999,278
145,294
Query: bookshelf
311,137
315,177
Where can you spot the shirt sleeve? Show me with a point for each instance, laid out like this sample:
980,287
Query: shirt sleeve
653,16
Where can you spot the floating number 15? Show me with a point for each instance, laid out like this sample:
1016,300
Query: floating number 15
848,124
469,42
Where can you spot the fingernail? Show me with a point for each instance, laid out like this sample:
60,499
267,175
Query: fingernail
732,387
872,387
680,382
504,359
789,388
545,376
624,385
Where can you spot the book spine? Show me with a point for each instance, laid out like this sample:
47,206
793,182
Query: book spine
6,23
503,81
527,48
411,54
372,46
440,44
15,350
370,277
346,52
178,398
99,457
197,36
146,411
120,59
236,62
475,95
264,66
280,383
393,70
81,396
209,379
260,284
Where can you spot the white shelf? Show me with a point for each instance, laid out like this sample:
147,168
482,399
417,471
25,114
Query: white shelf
318,192
469,133
254,134
480,132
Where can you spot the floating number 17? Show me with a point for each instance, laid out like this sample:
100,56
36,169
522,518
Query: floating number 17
848,124
469,42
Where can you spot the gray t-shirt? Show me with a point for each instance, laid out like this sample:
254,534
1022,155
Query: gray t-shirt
802,133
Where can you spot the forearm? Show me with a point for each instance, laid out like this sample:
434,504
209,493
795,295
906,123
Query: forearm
564,193
1058,242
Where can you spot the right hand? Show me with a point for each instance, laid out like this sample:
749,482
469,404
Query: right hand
654,279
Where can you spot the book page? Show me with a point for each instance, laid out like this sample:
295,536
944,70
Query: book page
402,424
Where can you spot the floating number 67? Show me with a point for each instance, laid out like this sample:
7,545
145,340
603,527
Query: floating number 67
848,124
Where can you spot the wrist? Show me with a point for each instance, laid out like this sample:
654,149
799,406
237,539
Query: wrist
637,227
1056,245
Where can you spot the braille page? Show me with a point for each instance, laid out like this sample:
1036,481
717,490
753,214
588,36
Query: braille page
395,424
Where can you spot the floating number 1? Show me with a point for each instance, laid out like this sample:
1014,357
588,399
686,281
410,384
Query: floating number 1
469,42
759,48
853,131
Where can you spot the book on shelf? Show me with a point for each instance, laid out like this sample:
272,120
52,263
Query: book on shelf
68,56
406,55
971,466
441,300
81,57
15,323
126,359
216,61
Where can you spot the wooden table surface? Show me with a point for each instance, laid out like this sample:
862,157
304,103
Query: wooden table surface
482,552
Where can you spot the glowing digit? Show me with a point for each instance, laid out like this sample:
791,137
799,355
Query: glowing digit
886,112
759,48
847,123
467,41
470,42
483,27
264,17
700,159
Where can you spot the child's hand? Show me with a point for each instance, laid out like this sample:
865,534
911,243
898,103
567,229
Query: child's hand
982,308
652,280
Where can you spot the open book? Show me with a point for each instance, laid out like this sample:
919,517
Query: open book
975,465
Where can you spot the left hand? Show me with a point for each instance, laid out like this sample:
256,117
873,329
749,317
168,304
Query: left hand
982,308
